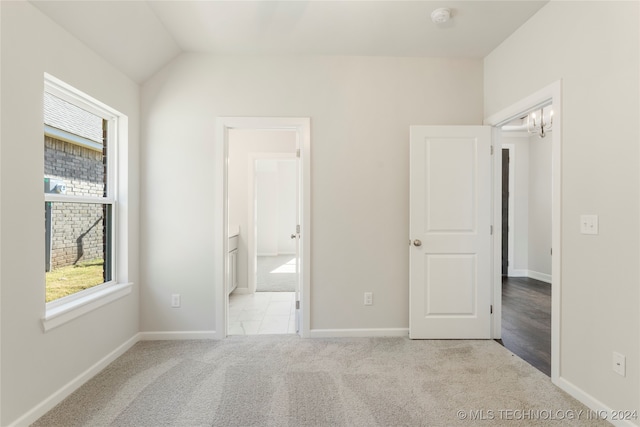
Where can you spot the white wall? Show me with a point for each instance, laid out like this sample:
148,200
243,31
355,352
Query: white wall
520,159
37,364
539,254
593,47
361,109
244,146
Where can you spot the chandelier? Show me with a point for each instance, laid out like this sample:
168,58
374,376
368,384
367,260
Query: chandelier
539,124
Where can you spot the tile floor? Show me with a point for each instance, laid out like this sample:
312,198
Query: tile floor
262,313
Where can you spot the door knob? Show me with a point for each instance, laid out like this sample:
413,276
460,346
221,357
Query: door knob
417,243
293,236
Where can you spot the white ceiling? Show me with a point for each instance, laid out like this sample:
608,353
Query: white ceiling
139,37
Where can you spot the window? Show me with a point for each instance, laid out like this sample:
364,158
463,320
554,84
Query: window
80,197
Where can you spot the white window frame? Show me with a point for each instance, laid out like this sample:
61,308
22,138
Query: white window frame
67,308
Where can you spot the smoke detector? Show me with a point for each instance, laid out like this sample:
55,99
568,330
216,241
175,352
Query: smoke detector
441,15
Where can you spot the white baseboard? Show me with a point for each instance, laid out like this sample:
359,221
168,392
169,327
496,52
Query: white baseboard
543,277
66,390
276,253
357,333
599,409
177,335
518,273
241,291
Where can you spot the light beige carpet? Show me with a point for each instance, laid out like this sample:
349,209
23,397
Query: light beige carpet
288,381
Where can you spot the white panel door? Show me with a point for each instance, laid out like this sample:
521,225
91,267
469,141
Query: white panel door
450,232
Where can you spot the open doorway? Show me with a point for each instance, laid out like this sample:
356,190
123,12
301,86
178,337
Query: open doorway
533,207
266,226
262,217
526,240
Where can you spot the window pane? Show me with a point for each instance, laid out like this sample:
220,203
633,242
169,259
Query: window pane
78,246
75,150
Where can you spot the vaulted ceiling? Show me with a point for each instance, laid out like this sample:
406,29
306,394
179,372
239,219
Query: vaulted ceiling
140,37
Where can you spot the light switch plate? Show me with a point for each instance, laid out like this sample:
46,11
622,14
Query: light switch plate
619,364
589,224
175,300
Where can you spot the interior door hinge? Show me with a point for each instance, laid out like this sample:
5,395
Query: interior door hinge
491,309
298,153
491,230
297,305
298,229
492,150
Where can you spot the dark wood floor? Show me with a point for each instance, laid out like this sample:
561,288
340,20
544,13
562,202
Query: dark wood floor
526,320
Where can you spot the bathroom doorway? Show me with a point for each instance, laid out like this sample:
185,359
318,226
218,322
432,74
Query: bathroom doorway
265,224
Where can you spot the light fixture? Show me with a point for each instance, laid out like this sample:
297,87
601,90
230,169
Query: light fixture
539,125
441,15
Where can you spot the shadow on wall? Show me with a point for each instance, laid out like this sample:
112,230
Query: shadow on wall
80,243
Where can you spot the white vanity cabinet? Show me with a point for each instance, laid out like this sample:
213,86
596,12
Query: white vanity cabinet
233,264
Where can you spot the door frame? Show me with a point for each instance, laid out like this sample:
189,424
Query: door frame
549,94
252,202
302,127
512,196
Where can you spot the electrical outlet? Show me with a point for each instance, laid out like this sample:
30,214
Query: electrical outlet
368,298
619,364
175,300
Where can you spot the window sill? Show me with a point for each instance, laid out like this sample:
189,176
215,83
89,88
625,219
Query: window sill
64,313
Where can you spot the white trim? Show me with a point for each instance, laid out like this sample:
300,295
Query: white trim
512,205
496,240
71,138
359,333
590,401
63,198
551,93
50,402
68,93
177,335
63,313
530,103
241,291
302,125
267,254
519,273
68,308
543,277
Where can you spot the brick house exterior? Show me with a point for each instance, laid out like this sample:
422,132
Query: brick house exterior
75,231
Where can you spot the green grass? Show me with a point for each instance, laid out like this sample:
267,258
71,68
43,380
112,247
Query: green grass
74,278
